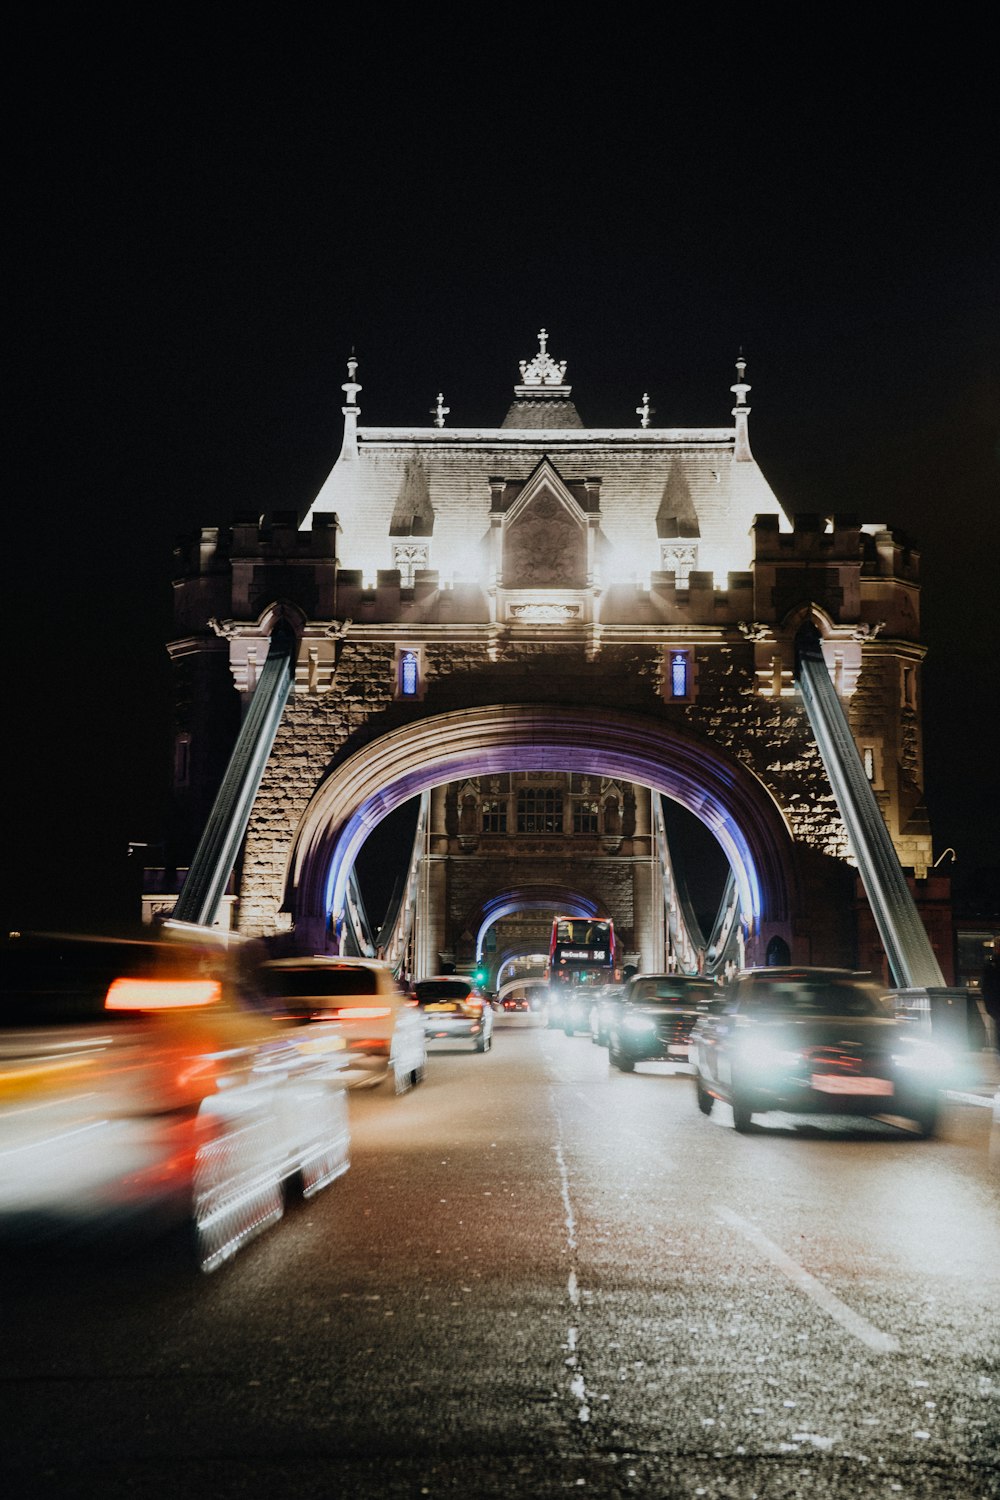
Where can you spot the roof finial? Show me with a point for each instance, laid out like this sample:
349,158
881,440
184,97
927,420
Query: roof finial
440,411
351,410
645,411
543,369
740,389
350,386
741,411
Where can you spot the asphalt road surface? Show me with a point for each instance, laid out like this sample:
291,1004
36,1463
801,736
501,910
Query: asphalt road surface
541,1278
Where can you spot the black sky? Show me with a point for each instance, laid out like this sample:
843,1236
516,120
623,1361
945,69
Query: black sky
206,217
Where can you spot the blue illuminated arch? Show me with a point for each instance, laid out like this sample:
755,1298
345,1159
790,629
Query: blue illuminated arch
367,785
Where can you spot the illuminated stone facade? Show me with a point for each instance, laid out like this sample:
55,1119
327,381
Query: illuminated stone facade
466,598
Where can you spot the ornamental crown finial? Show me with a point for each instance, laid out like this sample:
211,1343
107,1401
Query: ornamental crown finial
440,411
645,411
543,369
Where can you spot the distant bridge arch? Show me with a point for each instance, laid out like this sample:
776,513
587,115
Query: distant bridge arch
534,897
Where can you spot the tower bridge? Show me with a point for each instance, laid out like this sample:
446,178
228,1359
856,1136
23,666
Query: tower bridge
541,630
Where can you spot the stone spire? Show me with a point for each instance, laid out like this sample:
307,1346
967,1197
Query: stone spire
741,412
351,410
645,411
440,411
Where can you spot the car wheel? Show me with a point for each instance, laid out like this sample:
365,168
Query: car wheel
402,1078
926,1119
741,1114
479,1045
621,1062
705,1099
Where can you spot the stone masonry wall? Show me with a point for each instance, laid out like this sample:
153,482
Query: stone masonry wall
770,736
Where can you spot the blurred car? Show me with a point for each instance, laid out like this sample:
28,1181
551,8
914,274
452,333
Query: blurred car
573,1007
514,1001
453,1009
815,1041
143,1088
360,999
603,1007
552,1004
654,1018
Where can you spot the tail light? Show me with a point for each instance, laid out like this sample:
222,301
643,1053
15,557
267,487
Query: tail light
360,1012
162,994
474,1005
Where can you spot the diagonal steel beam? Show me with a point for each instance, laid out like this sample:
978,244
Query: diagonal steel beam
908,948
220,842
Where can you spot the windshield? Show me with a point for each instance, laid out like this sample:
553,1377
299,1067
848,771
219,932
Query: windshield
583,933
442,989
843,997
665,987
319,981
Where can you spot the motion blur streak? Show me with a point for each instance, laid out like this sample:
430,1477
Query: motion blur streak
160,994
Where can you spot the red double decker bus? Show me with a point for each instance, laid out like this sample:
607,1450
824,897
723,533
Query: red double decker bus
582,951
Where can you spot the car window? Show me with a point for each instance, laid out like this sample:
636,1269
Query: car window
812,997
668,989
329,981
432,990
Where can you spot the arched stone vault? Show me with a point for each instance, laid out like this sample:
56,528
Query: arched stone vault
364,787
535,897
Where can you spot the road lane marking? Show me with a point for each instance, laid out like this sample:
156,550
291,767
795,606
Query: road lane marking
577,1385
567,1205
852,1322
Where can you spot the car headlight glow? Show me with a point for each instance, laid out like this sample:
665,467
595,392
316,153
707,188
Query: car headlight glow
762,1055
924,1057
639,1023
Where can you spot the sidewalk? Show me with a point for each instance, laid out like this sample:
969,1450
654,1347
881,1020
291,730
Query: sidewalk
977,1078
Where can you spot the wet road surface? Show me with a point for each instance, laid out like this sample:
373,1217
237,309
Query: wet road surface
541,1277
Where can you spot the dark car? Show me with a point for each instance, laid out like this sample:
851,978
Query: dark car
454,1009
654,1019
815,1041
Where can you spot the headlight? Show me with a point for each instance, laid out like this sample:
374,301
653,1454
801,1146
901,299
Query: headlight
757,1053
639,1023
924,1057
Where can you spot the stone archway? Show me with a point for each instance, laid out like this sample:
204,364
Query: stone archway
533,897
365,786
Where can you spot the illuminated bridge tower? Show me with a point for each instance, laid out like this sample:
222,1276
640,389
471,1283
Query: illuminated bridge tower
612,607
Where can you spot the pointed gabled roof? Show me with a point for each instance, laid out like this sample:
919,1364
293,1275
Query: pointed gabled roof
656,484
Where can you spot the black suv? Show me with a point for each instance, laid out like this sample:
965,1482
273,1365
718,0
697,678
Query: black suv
654,1018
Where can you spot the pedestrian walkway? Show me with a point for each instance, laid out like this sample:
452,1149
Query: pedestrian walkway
977,1078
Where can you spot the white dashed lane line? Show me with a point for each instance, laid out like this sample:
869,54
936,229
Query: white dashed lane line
577,1384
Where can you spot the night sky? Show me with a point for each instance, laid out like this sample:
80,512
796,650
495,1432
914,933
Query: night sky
205,219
